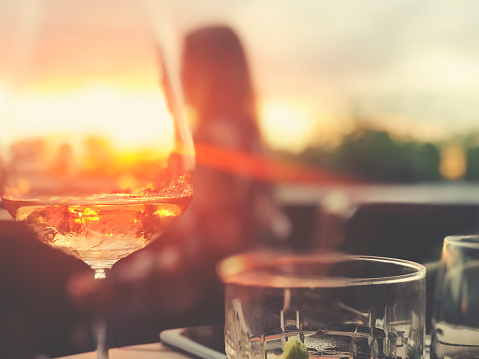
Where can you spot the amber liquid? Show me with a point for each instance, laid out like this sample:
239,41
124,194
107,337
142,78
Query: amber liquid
100,232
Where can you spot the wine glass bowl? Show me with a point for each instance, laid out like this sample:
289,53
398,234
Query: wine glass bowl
97,159
99,209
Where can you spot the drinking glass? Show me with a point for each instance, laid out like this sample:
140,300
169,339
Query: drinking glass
455,322
97,159
337,305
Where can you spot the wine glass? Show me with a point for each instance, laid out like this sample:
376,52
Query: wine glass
97,159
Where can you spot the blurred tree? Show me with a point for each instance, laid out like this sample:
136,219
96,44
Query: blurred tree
472,167
374,155
426,162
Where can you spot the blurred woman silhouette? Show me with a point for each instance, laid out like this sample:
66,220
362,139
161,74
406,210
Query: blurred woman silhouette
231,210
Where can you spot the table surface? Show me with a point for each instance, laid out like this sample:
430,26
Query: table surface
144,351
161,351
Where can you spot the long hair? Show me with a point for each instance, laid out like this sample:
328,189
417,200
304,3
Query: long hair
216,77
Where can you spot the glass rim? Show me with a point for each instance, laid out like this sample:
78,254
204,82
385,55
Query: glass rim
470,240
229,270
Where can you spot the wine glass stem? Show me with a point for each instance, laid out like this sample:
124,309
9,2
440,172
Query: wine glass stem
99,325
100,273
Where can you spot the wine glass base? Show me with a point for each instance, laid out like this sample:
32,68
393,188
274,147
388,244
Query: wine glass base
100,267
100,273
104,264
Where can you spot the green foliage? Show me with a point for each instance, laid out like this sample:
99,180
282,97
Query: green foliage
375,156
472,169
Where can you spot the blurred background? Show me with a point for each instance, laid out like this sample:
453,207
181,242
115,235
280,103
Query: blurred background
357,87
368,142
380,91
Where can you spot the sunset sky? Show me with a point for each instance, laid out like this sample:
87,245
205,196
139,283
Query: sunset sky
81,68
410,66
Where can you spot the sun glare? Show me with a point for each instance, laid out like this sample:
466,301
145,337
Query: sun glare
128,119
287,124
3,97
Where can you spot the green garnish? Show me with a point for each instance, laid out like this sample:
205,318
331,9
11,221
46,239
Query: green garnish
295,349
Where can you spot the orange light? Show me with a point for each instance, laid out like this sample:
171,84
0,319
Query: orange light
127,181
453,162
264,168
171,211
120,116
23,185
287,123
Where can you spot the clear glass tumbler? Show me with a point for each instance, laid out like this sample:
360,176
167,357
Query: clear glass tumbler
456,304
337,305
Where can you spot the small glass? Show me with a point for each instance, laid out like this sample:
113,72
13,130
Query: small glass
337,305
455,319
